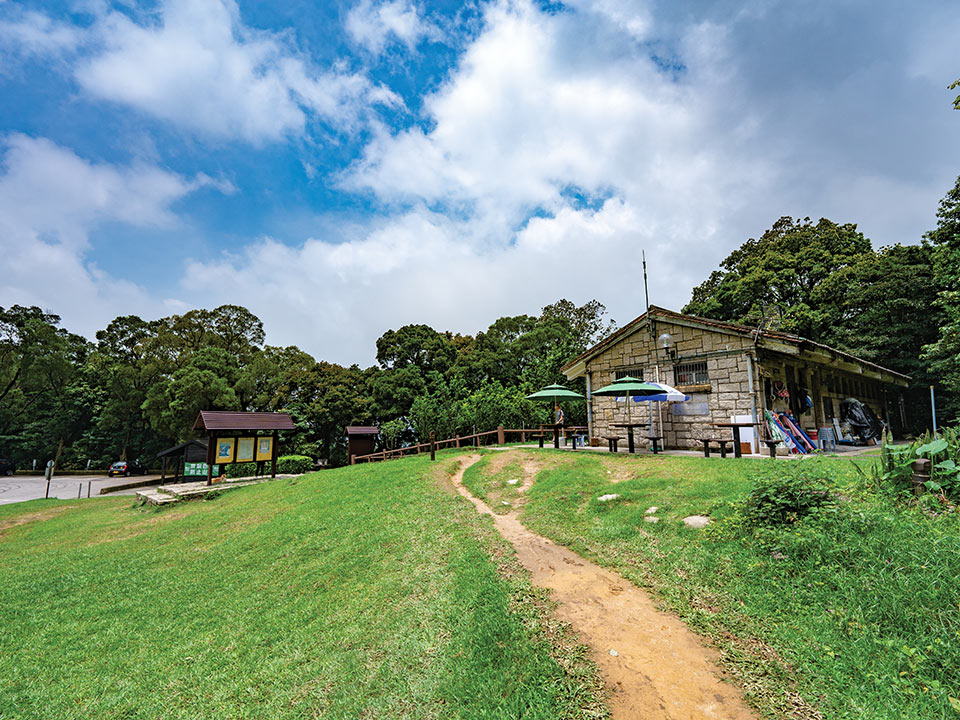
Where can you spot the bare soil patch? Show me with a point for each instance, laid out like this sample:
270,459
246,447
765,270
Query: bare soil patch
656,668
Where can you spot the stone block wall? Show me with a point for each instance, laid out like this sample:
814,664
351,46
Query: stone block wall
727,394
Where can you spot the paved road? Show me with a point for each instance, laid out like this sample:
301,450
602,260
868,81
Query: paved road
18,488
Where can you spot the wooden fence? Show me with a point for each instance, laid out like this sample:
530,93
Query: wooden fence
475,440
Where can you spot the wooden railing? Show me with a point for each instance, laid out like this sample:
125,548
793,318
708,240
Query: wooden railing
459,441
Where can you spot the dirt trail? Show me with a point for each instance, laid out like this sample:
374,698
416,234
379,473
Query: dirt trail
661,670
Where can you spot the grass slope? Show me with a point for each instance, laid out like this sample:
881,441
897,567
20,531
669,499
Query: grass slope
852,614
370,591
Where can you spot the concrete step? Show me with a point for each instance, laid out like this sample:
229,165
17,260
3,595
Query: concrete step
156,498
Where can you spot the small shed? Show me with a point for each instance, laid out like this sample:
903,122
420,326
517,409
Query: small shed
192,451
236,437
361,440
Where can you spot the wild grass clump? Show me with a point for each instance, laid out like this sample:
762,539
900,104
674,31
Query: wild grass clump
785,493
894,473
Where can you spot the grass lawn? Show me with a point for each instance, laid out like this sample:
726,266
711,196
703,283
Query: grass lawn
847,614
371,591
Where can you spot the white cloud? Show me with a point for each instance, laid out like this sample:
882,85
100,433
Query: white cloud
198,66
374,25
544,113
34,34
50,199
554,152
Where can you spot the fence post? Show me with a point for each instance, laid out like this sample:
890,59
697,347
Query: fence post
88,487
501,439
79,489
458,441
433,445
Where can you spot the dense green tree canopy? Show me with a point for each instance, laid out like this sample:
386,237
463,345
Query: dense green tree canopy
140,387
778,278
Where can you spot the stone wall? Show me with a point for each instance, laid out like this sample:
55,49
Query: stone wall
727,393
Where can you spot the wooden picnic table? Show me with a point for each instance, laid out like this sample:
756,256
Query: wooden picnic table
631,447
557,427
736,433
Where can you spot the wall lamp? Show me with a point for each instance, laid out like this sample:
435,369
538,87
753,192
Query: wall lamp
665,341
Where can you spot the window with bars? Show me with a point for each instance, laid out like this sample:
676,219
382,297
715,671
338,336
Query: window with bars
694,373
636,372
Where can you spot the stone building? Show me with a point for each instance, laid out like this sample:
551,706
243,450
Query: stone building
730,372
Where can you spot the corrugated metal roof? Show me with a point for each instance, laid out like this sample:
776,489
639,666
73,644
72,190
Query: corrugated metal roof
363,430
228,420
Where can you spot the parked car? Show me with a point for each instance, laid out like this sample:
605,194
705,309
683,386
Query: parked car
7,467
126,468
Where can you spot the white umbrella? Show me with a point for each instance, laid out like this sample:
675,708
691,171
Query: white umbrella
669,394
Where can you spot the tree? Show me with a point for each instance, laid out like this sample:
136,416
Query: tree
953,86
204,383
43,405
783,270
883,308
417,346
587,324
944,354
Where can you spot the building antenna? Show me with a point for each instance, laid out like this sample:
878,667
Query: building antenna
646,291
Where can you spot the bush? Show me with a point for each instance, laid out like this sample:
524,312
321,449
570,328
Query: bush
247,469
294,464
894,472
286,465
784,495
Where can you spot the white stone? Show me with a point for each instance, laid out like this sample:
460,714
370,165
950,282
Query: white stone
514,481
651,510
607,498
696,521
651,519
614,653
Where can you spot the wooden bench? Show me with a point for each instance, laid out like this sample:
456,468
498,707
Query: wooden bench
719,441
771,446
574,439
540,436
612,441
655,443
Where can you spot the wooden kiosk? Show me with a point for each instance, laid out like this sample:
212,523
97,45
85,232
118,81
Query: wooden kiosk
236,437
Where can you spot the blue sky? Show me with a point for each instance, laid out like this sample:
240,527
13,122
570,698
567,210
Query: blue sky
342,168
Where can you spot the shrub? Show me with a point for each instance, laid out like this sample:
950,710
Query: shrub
784,495
294,464
895,468
247,469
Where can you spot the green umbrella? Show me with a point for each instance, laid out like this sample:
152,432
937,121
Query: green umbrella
628,387
554,394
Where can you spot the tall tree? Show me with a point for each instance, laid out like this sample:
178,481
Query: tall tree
944,354
782,271
41,406
883,308
587,323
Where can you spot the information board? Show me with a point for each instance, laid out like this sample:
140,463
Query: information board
264,448
245,449
225,448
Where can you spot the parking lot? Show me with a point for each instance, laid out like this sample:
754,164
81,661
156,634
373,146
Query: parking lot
17,488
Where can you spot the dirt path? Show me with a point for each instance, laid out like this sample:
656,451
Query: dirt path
661,670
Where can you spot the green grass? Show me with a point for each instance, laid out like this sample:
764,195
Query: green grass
370,591
846,614
499,488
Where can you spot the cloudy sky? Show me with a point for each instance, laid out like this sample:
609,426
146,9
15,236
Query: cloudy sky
346,167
